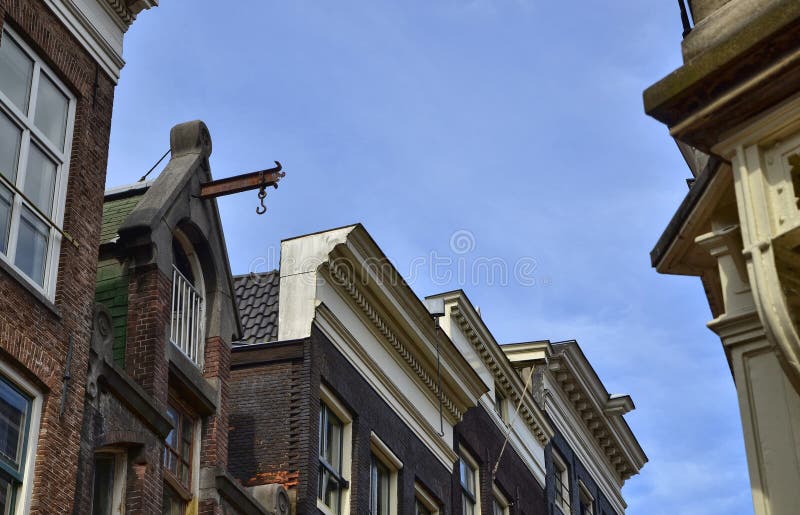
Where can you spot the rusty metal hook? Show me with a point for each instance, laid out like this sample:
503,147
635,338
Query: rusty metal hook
262,194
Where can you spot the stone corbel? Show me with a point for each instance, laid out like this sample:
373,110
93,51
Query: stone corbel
767,217
725,244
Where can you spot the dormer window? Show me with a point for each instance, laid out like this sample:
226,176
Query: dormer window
187,330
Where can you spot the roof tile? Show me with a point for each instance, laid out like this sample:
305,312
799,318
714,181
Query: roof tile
257,298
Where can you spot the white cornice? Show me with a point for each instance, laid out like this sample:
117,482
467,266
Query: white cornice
99,25
341,278
601,414
502,371
383,385
386,282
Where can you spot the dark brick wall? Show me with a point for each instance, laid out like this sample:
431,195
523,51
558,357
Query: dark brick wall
481,437
271,421
577,471
274,426
372,414
33,338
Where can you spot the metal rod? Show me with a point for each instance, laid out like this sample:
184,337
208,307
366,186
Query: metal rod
687,27
154,166
511,420
67,377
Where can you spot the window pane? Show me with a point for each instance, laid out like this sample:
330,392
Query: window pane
467,477
10,137
333,452
422,509
102,496
383,490
186,439
31,246
172,438
16,69
40,179
379,487
13,408
329,490
6,495
6,200
51,111
498,508
171,504
468,507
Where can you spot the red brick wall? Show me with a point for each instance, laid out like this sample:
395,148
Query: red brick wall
215,428
149,311
33,338
214,443
149,316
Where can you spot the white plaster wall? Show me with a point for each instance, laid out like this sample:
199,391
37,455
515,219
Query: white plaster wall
297,296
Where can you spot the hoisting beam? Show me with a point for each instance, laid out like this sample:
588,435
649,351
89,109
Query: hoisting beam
248,181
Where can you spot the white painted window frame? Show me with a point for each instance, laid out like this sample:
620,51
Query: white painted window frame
466,458
421,495
385,455
25,491
585,496
328,398
560,468
62,158
500,500
196,350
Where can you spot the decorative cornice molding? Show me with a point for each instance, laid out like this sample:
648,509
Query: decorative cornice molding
342,278
594,417
120,8
500,377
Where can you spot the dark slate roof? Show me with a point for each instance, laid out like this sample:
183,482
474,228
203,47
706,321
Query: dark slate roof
257,298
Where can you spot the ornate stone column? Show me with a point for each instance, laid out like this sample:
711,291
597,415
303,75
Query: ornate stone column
758,261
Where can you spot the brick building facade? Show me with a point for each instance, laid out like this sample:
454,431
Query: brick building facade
593,451
57,80
502,439
157,403
275,425
330,336
328,349
119,391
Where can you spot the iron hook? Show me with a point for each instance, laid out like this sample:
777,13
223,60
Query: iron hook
262,194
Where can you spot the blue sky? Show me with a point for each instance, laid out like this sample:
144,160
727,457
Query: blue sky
515,125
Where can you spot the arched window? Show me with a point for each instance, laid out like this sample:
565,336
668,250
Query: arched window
187,331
